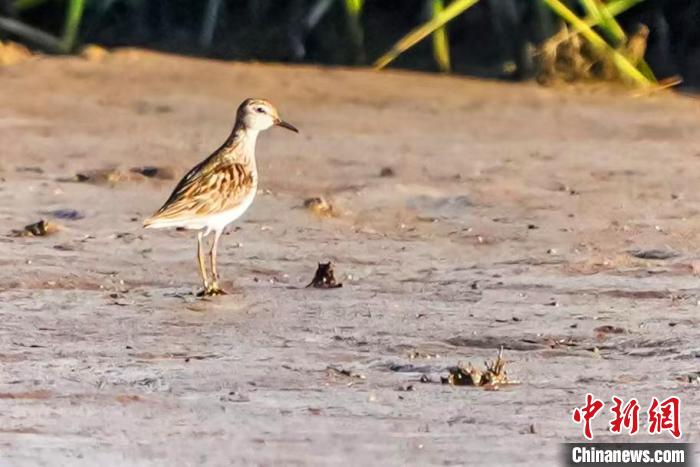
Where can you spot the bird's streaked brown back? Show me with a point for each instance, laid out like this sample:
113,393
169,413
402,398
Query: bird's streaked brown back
217,184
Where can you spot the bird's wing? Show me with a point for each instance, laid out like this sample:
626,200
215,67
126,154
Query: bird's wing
211,187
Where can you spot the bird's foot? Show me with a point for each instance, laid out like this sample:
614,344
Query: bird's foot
211,291
216,290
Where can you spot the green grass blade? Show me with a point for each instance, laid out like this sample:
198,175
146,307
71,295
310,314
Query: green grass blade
615,31
602,18
646,71
622,64
614,8
354,7
441,44
619,6
74,16
592,10
609,24
421,32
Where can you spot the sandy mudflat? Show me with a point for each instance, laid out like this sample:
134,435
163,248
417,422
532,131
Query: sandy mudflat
510,220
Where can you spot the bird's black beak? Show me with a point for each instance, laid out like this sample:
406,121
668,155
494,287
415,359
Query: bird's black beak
286,125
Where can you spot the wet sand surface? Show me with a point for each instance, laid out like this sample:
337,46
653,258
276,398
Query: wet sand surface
512,218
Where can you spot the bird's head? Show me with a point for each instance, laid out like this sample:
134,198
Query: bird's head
260,114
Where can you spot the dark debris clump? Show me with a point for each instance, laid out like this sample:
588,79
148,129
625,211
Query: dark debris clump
319,206
37,229
324,277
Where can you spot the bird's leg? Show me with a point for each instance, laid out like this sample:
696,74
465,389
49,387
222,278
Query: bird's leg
215,289
202,265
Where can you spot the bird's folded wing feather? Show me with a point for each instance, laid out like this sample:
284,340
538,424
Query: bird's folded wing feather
209,188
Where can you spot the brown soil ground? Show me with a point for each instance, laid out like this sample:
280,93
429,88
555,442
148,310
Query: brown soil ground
511,220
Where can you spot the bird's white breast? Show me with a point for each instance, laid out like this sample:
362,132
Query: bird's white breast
219,221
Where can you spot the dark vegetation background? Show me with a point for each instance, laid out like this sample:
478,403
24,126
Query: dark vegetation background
495,38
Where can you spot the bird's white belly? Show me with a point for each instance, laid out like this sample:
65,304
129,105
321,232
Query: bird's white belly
219,221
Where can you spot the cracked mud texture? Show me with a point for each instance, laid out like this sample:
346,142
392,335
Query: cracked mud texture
509,220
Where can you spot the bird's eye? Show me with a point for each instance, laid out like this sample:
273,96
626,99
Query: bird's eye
260,110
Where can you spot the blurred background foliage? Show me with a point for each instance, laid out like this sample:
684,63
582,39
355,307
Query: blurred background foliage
632,40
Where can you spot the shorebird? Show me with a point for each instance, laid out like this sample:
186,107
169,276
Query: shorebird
218,190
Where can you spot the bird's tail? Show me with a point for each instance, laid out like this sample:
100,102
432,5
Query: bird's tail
154,223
